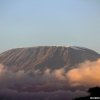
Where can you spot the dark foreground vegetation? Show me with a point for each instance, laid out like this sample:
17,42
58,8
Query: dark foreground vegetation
94,94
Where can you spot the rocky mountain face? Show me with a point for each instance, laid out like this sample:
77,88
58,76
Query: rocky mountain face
43,57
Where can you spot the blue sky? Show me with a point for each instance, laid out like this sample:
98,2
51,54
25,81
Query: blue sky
26,23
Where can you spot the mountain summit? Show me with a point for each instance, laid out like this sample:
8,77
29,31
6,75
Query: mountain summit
43,57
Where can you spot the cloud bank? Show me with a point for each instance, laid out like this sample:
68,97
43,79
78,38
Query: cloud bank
48,85
87,73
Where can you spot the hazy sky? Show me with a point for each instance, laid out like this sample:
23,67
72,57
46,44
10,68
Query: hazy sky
49,22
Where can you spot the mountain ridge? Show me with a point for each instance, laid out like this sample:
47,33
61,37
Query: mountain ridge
42,57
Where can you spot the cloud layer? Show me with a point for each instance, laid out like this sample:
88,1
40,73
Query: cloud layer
87,73
48,85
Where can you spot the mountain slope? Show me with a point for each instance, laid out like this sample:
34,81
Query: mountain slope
42,57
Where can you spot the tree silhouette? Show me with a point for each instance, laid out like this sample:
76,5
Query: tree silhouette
94,94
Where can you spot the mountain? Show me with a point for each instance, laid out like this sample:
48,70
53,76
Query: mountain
43,57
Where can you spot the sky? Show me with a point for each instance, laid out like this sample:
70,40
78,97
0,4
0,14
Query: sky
28,23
